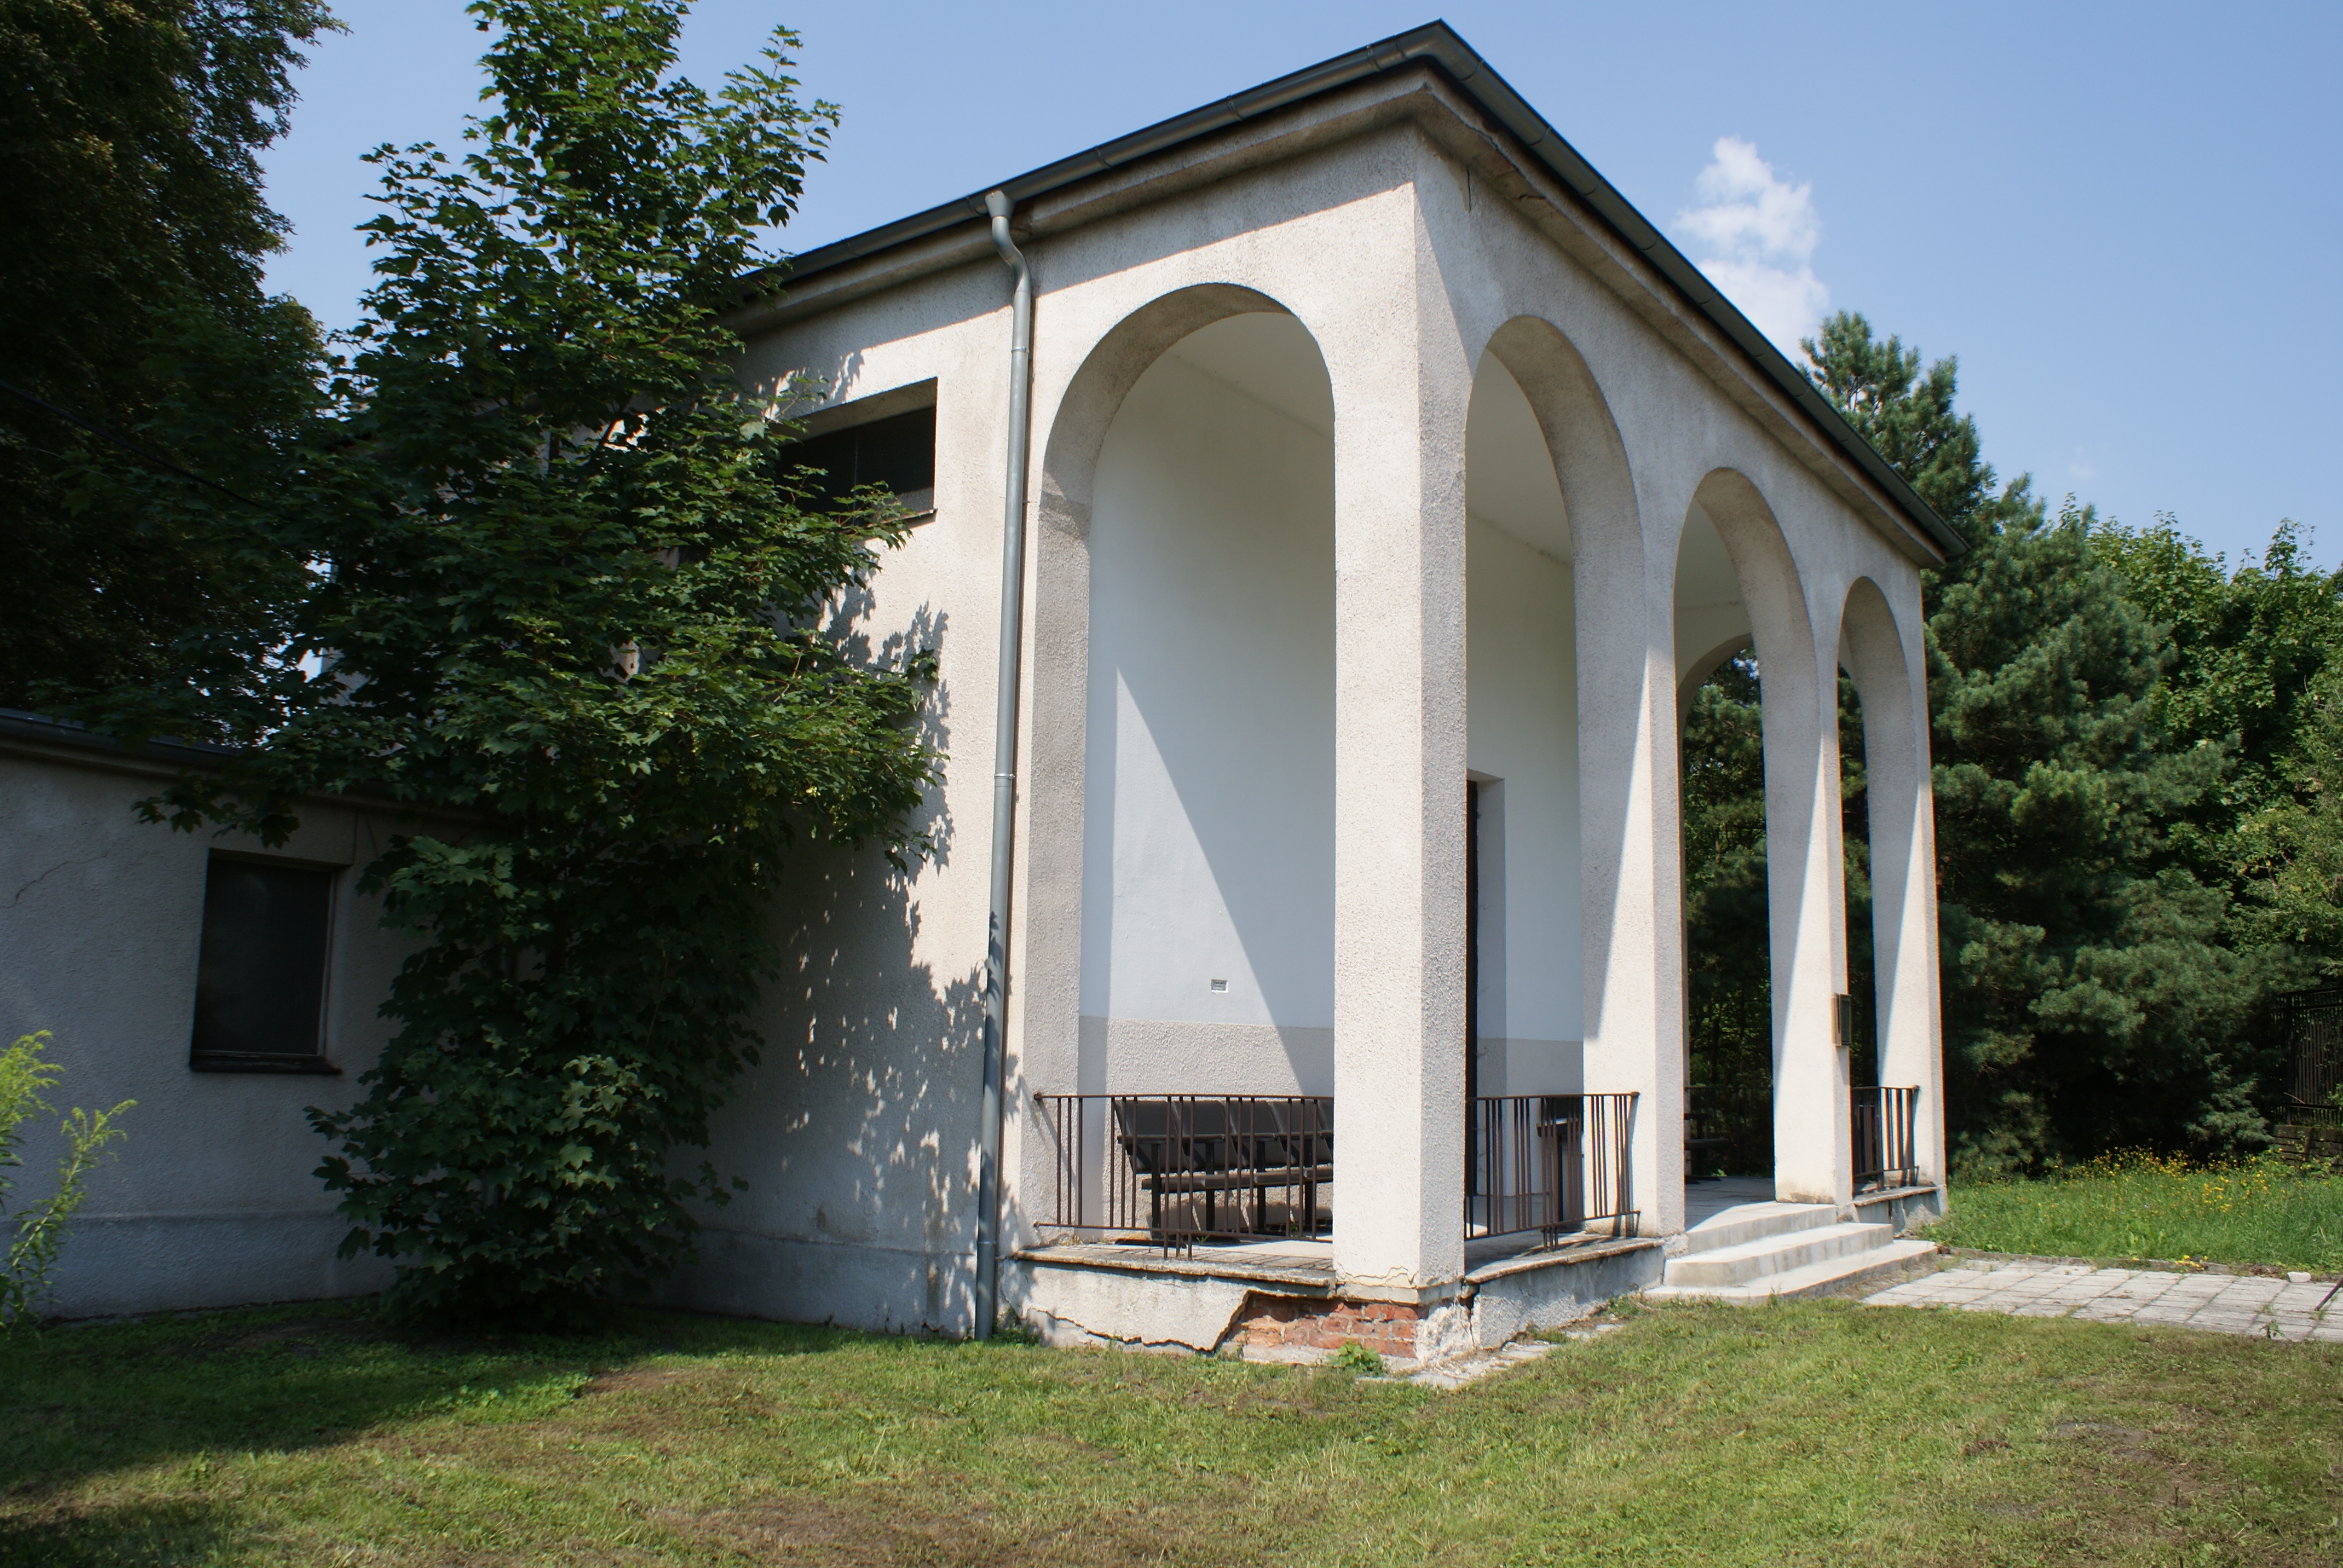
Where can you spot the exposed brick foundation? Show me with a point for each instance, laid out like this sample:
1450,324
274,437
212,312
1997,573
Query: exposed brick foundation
1386,1328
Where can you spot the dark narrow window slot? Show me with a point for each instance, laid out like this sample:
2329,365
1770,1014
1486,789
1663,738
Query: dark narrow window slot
898,452
260,981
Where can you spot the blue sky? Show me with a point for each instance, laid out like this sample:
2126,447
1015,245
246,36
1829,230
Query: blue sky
2125,220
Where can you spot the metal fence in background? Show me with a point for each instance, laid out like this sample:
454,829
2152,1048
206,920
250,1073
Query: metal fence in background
2314,1035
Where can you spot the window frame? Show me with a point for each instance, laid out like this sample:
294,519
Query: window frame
318,1064
918,397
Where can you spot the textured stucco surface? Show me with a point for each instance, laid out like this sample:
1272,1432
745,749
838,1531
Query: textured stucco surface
1523,755
212,1200
1209,842
1538,1300
1079,1306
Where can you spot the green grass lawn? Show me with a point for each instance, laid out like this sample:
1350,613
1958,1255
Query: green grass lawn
1816,1433
2138,1206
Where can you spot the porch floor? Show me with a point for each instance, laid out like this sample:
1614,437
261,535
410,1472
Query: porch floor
1705,1201
1311,1264
1307,1264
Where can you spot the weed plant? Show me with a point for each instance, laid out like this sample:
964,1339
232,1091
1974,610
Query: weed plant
2139,1205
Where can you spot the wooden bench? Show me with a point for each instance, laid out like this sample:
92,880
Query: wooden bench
1199,1146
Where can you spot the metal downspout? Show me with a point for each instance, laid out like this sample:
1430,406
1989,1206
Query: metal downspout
1004,768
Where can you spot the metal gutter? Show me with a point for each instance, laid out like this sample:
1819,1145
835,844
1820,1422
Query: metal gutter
1004,764
1438,44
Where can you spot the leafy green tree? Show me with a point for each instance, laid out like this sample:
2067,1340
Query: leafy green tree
2090,998
568,596
2247,644
135,235
2289,847
2259,662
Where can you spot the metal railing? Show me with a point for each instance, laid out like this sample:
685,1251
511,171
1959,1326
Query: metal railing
1552,1163
2314,1035
1727,1127
1885,1150
1174,1169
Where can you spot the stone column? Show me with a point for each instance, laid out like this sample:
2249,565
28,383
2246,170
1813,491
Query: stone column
1400,391
1806,902
1889,675
1805,889
1630,806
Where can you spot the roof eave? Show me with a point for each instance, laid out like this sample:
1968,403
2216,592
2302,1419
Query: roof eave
1438,44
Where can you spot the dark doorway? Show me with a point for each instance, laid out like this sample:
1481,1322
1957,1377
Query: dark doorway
1472,968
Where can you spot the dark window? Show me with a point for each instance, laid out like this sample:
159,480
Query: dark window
899,452
260,982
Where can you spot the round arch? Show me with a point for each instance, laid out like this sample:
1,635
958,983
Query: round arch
1590,460
1806,926
1054,839
1059,618
1696,674
1873,650
1095,393
1630,879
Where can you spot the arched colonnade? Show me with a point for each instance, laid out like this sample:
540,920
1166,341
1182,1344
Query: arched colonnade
1260,702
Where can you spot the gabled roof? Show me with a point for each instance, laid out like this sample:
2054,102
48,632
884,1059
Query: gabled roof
1436,46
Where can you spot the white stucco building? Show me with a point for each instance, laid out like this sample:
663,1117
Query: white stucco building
1390,484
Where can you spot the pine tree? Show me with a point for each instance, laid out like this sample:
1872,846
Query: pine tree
2091,998
1732,1017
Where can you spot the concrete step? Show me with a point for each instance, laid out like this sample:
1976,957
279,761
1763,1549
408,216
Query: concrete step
1750,1222
1873,1266
1752,1259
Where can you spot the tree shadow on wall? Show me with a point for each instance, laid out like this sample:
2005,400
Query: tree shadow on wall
856,1130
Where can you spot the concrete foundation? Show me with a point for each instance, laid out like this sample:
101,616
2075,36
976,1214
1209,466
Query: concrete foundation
1902,1209
1269,1304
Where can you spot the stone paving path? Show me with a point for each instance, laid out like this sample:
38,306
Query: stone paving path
2250,1304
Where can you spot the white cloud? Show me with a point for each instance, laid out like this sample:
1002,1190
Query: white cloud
1756,234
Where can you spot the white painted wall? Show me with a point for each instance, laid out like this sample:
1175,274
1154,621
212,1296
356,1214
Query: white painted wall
1208,817
213,1198
1523,746
856,1131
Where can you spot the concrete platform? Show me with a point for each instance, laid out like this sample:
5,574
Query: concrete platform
1873,1266
1108,1293
1759,1250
